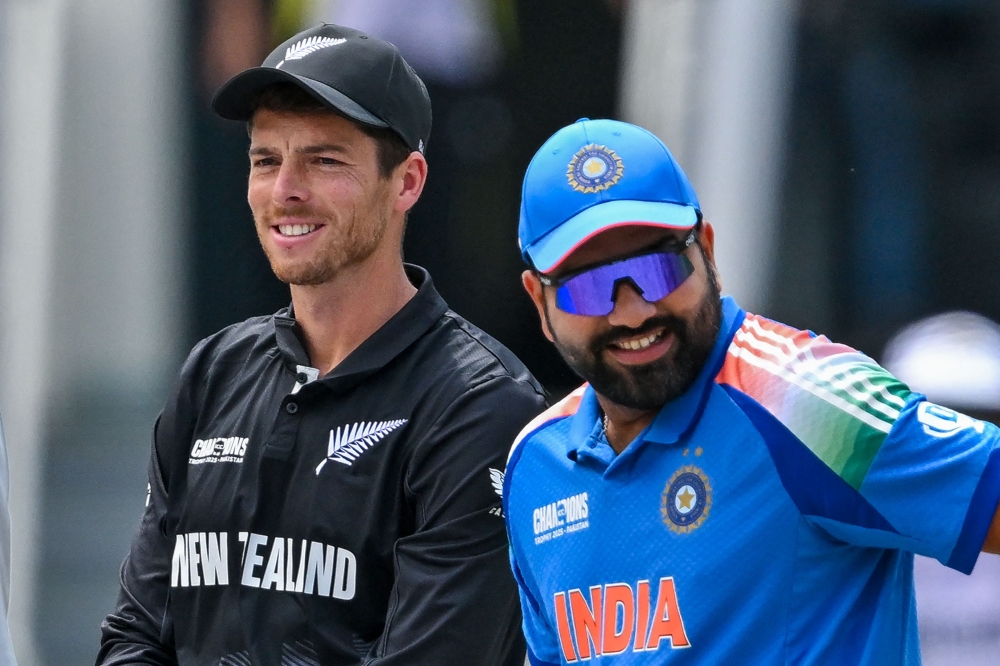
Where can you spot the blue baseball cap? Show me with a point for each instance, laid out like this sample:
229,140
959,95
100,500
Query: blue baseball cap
594,175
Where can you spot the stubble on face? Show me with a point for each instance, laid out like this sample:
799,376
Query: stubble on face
648,387
317,169
349,239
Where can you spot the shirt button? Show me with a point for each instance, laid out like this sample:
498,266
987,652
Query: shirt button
291,408
302,378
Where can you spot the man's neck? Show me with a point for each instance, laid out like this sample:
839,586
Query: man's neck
337,316
623,424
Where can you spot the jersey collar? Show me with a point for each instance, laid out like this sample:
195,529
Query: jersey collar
673,420
404,328
676,417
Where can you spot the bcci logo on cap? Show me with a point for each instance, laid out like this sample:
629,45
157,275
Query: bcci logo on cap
686,500
594,168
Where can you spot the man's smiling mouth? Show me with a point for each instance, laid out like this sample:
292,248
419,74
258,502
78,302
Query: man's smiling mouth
639,342
296,229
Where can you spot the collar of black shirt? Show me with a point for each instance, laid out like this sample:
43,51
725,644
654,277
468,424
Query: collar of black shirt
403,329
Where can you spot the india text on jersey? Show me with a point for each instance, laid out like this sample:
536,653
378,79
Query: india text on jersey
618,617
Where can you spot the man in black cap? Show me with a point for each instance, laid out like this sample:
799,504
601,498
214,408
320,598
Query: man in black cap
325,482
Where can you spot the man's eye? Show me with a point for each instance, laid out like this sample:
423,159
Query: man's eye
328,161
265,162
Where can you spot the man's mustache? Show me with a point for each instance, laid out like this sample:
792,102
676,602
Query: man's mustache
289,211
669,324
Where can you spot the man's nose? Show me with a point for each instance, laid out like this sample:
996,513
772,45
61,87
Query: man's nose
631,309
290,184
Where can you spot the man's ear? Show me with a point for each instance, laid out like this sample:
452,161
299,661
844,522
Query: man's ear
409,179
533,286
707,241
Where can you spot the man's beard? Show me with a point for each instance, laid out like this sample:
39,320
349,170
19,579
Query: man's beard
348,242
648,387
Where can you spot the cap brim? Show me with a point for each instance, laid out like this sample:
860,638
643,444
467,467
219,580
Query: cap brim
549,251
236,98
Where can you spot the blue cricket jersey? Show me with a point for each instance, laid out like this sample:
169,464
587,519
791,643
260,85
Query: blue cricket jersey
766,516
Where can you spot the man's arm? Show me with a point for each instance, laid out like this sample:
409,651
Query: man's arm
454,599
134,633
139,630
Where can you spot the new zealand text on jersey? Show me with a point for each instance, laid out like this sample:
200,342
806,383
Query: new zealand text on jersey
268,563
618,617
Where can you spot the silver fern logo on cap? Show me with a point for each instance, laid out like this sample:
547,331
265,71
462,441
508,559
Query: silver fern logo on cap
304,47
350,441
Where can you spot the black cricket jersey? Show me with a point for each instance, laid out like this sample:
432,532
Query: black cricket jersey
348,519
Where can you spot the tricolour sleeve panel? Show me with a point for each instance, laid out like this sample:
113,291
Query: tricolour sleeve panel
835,400
815,488
870,462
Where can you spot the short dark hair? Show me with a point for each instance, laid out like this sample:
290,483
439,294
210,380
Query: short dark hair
390,149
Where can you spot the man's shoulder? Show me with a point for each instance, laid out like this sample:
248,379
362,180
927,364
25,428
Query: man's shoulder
234,343
828,396
542,432
764,354
466,354
251,328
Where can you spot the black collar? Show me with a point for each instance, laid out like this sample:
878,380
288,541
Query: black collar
403,329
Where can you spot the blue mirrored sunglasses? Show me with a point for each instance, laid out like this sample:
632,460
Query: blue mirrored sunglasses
654,275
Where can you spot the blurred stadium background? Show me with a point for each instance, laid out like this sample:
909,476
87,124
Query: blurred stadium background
847,151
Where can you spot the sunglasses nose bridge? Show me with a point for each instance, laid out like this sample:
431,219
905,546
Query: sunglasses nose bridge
625,281
629,309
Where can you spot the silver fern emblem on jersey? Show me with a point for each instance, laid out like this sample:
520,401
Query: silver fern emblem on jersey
304,47
496,476
350,441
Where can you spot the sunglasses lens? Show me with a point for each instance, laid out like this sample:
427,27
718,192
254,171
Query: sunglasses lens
592,292
659,274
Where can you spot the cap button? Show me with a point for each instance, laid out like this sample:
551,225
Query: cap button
582,120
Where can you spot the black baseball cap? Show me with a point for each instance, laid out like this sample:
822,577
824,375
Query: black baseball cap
358,76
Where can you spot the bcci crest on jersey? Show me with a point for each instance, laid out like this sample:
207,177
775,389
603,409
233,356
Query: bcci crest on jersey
686,500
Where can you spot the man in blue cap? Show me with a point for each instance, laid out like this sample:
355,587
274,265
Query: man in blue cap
724,489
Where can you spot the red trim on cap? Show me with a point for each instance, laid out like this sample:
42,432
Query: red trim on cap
632,223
